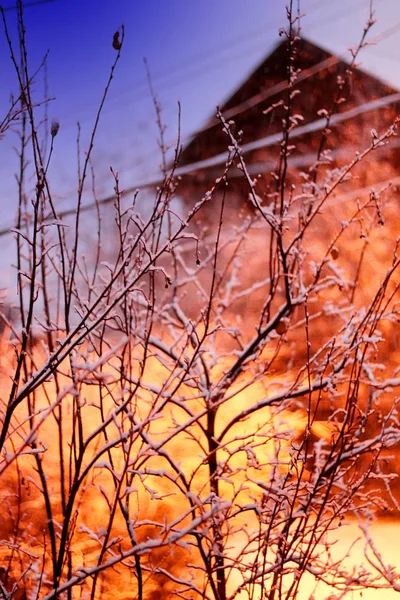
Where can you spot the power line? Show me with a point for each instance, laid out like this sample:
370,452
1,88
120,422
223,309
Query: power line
264,142
253,101
315,7
258,98
276,138
197,61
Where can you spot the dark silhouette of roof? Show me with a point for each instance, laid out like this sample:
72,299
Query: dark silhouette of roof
257,110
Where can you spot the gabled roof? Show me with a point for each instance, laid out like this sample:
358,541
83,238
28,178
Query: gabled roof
318,71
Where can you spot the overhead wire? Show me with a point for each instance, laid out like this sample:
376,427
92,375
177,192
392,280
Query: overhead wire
261,143
296,132
257,98
196,66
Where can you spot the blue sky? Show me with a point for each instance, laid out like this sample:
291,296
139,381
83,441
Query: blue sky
198,52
